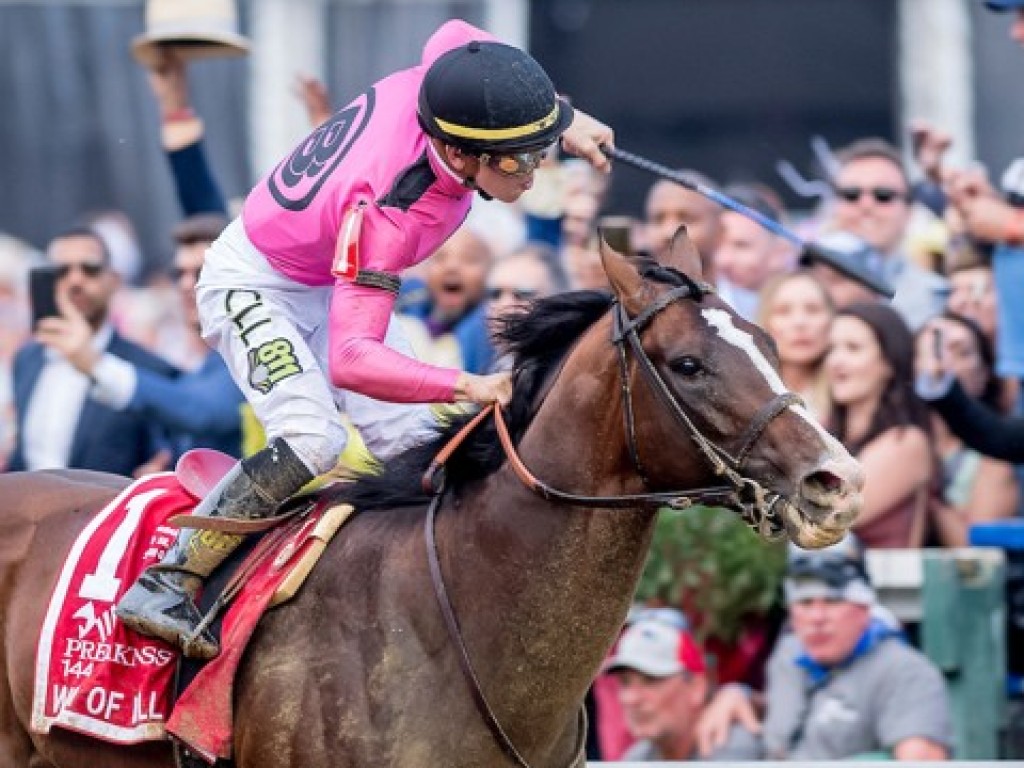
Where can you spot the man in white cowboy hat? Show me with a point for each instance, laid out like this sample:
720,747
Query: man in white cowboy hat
200,28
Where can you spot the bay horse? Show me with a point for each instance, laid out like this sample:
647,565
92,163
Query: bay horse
622,403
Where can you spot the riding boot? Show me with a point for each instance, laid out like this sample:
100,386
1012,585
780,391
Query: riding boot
161,603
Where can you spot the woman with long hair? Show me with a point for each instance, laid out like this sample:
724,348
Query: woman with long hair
974,488
797,312
877,416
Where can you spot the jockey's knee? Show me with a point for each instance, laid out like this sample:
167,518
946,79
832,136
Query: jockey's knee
319,451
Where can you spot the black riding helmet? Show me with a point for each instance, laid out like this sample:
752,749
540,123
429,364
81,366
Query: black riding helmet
486,97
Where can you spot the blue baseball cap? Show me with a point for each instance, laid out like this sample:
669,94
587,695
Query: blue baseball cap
1004,5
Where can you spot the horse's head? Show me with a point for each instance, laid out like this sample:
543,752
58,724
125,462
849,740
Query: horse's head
700,379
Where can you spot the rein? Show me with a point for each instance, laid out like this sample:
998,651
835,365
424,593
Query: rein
756,504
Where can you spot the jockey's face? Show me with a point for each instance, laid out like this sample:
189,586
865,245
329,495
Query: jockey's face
502,186
86,278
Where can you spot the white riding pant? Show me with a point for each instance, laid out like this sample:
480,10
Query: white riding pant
273,334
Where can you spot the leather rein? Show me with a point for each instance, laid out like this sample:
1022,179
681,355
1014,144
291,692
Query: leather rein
756,504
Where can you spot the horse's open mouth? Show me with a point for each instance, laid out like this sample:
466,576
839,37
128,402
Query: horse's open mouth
818,526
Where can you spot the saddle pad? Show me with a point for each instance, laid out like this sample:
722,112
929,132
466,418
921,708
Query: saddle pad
92,674
203,717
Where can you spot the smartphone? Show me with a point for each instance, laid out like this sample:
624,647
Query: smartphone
42,291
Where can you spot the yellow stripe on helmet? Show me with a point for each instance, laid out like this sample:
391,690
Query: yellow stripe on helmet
498,134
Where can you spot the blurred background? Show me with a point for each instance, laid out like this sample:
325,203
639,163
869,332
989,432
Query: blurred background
730,86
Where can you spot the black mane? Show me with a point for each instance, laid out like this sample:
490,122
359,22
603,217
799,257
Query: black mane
538,341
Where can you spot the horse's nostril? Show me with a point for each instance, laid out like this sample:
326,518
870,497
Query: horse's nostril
822,481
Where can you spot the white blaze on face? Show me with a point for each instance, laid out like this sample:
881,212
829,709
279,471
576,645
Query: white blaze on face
721,321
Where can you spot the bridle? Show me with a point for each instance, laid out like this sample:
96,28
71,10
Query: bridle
755,503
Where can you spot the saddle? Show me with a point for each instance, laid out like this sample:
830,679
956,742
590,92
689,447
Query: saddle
86,658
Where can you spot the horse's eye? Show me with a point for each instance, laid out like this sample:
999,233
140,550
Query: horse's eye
687,366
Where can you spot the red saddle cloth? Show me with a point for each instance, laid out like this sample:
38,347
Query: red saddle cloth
97,677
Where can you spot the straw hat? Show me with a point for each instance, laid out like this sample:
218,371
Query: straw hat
199,28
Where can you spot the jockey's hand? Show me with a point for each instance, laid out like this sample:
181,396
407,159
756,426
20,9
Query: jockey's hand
70,335
584,138
484,390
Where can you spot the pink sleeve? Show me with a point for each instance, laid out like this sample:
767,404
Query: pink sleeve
361,362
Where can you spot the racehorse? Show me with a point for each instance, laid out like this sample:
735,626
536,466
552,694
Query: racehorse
622,403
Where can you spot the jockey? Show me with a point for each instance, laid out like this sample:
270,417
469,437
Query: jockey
297,293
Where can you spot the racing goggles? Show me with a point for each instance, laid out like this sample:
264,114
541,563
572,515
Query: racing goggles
517,163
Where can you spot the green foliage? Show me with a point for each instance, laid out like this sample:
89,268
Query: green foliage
708,563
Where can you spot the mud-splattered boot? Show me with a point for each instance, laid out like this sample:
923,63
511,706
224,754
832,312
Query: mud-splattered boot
162,602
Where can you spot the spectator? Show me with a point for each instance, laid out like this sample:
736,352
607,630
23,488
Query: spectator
797,312
877,416
15,259
662,689
515,280
981,428
454,329
873,201
972,287
844,683
843,290
748,255
201,408
582,264
974,488
61,423
670,206
1017,24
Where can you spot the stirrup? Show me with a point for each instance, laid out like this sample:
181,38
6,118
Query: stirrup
158,607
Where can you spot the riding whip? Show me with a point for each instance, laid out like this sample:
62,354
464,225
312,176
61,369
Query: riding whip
810,252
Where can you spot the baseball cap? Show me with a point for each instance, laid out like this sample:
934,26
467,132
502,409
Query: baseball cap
657,648
833,573
1004,5
852,248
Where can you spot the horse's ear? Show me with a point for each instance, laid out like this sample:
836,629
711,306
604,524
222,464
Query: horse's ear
623,276
682,255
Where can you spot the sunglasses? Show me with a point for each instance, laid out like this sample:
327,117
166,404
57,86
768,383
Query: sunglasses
519,294
87,268
880,194
516,164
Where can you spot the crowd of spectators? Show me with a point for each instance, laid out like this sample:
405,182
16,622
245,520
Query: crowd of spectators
120,381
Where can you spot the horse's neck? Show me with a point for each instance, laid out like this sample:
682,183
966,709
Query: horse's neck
566,573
